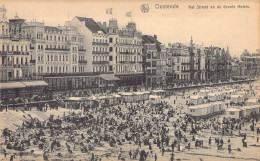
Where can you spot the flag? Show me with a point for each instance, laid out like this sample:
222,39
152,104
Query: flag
109,11
128,14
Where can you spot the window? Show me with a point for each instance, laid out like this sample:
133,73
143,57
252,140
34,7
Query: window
111,49
231,113
110,68
110,58
110,40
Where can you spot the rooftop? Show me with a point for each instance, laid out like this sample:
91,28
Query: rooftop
91,24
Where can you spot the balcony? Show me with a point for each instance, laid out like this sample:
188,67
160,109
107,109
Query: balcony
100,52
100,62
71,74
99,43
3,52
14,52
17,65
56,49
82,61
32,61
82,50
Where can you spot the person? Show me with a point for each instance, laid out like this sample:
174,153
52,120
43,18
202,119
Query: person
209,140
155,157
229,148
173,146
163,151
172,157
130,154
257,139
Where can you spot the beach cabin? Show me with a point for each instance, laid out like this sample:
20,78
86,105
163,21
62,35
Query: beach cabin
106,99
250,110
204,92
91,101
198,110
196,99
237,98
155,99
73,102
252,101
212,97
117,99
234,113
243,93
146,95
138,96
159,92
127,96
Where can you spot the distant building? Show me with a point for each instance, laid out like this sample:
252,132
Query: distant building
156,61
197,62
218,64
181,62
251,63
15,61
125,46
55,49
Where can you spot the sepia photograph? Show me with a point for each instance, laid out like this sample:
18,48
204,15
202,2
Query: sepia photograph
119,80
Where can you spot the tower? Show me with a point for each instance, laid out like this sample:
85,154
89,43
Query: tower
3,17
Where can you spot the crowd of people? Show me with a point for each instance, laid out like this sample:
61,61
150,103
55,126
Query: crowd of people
139,131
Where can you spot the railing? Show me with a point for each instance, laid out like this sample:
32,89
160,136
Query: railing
57,49
83,61
99,43
100,52
82,50
100,62
14,52
70,74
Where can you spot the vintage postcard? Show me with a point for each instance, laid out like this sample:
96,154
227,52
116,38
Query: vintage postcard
129,80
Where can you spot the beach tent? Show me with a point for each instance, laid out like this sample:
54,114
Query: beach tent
234,113
154,99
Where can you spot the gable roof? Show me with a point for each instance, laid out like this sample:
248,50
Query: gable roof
151,39
91,24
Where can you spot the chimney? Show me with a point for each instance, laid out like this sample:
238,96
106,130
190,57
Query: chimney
99,23
105,24
155,37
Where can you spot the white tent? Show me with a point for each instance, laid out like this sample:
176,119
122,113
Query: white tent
237,98
234,113
154,99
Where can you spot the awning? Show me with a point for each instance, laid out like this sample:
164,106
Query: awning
11,85
109,77
34,83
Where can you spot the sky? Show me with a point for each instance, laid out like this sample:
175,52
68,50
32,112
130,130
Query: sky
237,28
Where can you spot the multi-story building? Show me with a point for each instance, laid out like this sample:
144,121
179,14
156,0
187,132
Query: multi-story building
180,62
156,61
217,63
96,43
14,49
56,49
125,46
197,62
251,63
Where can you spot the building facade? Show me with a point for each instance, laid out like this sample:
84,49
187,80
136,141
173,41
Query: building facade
155,62
181,63
218,64
15,62
125,46
55,49
251,63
